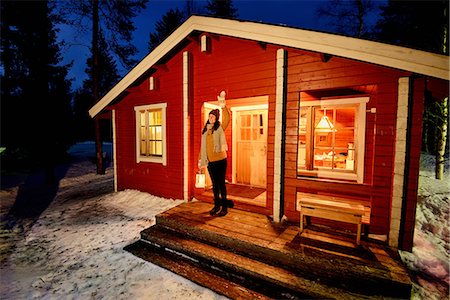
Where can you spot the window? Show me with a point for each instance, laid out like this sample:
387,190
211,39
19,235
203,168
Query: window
331,137
151,133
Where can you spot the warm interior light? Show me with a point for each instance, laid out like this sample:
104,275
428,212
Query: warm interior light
325,124
200,180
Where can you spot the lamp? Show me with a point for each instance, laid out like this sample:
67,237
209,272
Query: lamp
200,179
325,124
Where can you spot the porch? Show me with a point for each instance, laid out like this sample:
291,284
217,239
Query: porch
246,255
241,194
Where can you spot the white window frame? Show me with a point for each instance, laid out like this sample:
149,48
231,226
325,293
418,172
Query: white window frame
360,137
153,159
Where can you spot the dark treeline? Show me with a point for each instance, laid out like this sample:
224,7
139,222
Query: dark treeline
36,117
41,116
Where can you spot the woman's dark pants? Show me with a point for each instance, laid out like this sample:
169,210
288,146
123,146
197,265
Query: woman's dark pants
217,170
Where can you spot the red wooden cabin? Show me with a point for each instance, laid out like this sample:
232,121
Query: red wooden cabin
280,82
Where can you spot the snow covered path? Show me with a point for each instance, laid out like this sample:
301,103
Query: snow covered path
75,248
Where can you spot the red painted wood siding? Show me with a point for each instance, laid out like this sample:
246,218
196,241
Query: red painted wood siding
308,75
246,69
154,178
243,69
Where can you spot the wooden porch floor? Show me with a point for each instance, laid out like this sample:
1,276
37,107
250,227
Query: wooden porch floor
316,241
244,255
243,194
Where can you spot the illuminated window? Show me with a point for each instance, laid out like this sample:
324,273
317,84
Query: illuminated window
151,133
331,137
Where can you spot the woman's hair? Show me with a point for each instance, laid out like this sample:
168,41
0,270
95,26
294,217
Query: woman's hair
216,113
215,126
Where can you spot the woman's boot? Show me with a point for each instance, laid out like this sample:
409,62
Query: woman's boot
216,207
224,209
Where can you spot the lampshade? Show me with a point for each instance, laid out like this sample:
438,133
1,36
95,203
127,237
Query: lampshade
325,125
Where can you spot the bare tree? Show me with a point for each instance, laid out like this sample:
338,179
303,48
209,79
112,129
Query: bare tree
422,25
347,16
114,19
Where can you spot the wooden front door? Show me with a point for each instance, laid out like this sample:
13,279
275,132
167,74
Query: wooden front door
251,147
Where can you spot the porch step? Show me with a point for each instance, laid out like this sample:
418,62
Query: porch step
195,272
262,278
246,249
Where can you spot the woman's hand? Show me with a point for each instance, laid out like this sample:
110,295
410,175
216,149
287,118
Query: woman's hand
221,99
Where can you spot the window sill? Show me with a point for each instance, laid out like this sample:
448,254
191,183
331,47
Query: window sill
158,160
327,176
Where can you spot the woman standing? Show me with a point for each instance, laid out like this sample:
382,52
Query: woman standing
213,154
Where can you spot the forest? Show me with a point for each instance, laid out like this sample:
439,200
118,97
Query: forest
42,114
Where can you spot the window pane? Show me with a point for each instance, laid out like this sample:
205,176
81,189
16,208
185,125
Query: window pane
302,132
326,138
301,159
158,148
302,119
159,117
323,139
151,118
345,118
255,134
155,117
142,118
158,133
143,135
151,133
151,147
255,120
323,158
244,120
343,137
143,148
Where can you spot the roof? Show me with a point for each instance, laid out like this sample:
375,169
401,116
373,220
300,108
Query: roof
416,61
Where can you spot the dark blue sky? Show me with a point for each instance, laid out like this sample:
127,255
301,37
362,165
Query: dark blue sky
297,13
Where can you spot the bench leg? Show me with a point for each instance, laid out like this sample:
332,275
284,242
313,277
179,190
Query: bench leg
301,223
358,234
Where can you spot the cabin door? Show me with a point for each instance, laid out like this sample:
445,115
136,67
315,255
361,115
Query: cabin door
250,134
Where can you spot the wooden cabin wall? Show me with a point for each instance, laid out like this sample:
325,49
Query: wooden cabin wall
406,240
154,178
308,73
246,72
243,69
248,69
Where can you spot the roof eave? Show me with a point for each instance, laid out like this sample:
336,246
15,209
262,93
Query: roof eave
416,61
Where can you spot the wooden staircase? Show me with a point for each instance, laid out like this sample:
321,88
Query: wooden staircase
244,256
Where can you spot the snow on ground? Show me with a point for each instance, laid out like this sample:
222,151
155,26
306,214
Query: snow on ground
75,248
429,260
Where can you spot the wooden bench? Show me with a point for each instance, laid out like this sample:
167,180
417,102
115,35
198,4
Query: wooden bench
334,208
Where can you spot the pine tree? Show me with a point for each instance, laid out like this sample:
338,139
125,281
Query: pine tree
170,21
108,77
221,8
36,99
114,19
173,18
348,17
416,24
422,25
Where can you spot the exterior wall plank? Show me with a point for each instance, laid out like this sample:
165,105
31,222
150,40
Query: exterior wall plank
250,72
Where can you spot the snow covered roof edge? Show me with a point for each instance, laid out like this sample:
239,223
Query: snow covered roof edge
416,61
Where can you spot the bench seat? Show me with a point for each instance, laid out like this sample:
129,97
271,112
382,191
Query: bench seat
348,210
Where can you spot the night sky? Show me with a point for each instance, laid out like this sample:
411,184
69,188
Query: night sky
296,13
